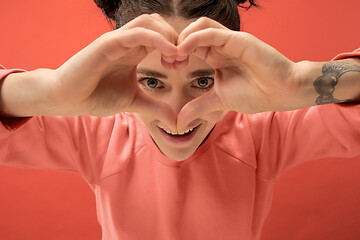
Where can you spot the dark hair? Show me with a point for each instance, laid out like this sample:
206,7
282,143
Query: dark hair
223,11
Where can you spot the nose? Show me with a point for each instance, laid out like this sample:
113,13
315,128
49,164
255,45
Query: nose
177,100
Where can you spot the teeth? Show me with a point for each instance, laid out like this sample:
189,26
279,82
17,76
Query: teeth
182,133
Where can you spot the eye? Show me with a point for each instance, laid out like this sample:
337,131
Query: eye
150,83
204,83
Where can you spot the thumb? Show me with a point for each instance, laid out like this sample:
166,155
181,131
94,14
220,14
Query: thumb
147,105
202,105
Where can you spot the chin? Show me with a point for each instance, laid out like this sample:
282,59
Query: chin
178,155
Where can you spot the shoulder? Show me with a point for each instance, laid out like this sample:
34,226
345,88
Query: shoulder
122,139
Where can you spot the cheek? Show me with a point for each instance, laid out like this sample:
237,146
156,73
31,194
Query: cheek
192,92
145,119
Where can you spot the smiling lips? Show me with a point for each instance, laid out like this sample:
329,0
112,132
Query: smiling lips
179,138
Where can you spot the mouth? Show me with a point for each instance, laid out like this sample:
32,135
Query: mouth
179,138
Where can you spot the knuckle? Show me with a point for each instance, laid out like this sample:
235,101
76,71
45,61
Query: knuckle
148,21
244,34
156,15
143,18
213,33
138,20
137,29
211,30
245,38
140,31
203,20
105,37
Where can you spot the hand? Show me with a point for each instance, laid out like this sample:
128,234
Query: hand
101,79
251,76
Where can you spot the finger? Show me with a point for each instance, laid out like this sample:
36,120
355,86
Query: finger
147,105
168,59
200,24
172,37
173,33
104,51
180,65
202,105
119,44
156,23
202,52
166,64
209,37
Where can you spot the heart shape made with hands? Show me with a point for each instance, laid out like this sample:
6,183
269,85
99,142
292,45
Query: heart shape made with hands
195,39
251,76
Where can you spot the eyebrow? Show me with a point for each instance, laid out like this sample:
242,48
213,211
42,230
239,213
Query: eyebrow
195,74
202,73
151,73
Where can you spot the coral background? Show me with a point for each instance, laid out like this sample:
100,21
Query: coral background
317,200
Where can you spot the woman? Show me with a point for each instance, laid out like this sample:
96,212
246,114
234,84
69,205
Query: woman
190,162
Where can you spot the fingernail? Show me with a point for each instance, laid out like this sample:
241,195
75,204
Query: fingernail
181,58
180,65
168,59
166,64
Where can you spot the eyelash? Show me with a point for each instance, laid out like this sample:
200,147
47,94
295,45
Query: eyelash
208,88
142,79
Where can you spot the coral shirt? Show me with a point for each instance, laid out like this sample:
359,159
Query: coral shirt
223,191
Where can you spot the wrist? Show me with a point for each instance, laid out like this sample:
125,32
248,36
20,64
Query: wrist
25,94
348,86
327,82
305,73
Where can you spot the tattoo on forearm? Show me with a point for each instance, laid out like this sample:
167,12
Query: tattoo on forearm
325,84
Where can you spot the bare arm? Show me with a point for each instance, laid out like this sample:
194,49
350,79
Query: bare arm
100,80
24,95
330,82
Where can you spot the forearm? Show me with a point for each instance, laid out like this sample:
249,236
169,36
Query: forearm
25,94
328,82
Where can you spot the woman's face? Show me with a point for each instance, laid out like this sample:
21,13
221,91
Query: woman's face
177,88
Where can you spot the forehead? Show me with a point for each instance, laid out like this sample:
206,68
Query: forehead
179,23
